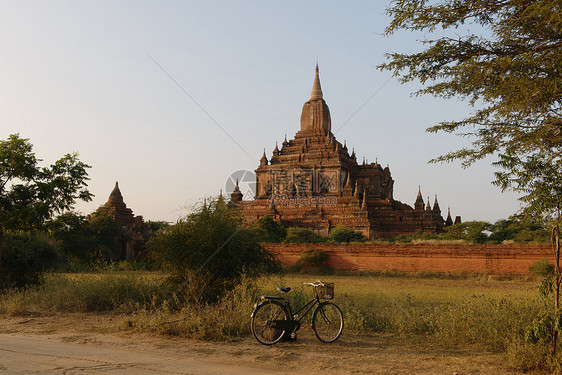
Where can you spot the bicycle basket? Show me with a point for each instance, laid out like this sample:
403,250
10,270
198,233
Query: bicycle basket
325,291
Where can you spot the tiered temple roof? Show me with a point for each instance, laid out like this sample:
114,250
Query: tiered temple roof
123,214
312,181
131,243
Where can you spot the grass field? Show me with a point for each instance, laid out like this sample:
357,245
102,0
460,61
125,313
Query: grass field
441,310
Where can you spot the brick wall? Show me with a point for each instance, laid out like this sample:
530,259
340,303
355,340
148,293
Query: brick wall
490,259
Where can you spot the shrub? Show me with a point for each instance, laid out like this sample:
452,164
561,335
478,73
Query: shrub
208,251
313,257
341,233
407,238
542,268
269,231
25,257
303,235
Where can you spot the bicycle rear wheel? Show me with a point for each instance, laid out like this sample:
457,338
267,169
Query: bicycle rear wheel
327,322
264,318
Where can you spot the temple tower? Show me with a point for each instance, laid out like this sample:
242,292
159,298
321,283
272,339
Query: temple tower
123,214
315,117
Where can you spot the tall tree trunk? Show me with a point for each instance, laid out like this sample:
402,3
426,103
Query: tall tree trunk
556,248
1,232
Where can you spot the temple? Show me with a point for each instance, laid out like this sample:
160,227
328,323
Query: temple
313,181
131,244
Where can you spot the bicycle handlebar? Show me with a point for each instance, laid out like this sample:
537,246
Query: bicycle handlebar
319,283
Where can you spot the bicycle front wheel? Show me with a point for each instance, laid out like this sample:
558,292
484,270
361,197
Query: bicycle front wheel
264,320
327,322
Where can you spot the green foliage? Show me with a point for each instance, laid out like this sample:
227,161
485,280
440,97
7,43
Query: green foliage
542,268
25,256
546,287
507,66
313,257
155,226
342,233
208,251
29,194
269,231
303,235
538,177
75,237
541,329
106,230
520,228
470,231
406,238
93,239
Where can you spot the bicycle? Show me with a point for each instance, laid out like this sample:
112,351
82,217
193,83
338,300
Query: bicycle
273,318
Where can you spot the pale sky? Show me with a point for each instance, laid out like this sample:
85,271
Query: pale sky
141,90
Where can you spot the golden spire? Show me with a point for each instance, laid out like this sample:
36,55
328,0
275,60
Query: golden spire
316,93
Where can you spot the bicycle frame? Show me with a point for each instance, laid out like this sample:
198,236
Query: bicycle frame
310,304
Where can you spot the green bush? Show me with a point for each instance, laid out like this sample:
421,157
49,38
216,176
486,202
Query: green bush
407,238
542,268
75,238
303,235
313,257
269,231
341,234
207,252
470,231
25,257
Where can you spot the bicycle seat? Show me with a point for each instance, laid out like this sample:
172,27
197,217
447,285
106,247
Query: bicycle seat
283,289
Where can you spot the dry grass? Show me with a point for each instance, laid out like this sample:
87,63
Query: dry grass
476,310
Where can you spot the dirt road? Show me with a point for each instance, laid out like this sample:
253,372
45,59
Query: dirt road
46,355
70,345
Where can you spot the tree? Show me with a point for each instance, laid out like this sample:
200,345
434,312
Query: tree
156,225
510,71
107,232
539,178
74,235
208,251
270,231
469,231
26,256
30,194
520,228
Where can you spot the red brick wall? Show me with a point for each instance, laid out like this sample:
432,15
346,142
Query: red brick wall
491,259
